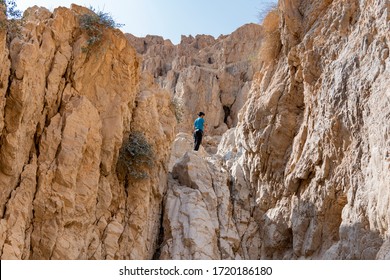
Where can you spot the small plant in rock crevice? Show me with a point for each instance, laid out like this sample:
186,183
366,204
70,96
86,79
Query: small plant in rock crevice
94,24
136,156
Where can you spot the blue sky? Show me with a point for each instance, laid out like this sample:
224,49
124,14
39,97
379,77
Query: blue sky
170,18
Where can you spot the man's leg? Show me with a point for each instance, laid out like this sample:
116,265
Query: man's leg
198,139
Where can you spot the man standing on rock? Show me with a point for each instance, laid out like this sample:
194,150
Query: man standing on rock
198,130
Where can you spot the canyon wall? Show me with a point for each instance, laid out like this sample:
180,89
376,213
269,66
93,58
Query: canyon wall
315,134
96,157
307,167
204,74
67,110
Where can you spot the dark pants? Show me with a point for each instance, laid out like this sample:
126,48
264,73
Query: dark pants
198,134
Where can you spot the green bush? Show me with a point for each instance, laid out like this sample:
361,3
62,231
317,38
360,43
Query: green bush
136,156
94,24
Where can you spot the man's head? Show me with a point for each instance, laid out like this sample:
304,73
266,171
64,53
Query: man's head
201,114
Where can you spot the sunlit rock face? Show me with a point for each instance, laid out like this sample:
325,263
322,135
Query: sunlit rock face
204,74
313,139
65,113
308,162
295,163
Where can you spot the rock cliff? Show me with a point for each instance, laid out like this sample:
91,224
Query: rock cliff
295,165
65,116
314,134
204,74
307,167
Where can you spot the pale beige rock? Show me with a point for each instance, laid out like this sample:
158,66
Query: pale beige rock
198,220
204,74
310,150
384,252
308,168
243,195
190,234
182,144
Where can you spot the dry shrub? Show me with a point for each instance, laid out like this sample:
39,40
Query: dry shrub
271,44
94,23
136,156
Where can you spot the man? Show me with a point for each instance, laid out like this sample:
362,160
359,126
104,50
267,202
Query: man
198,130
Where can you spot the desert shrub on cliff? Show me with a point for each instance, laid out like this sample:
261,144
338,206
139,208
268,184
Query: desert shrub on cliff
94,24
271,44
136,156
264,10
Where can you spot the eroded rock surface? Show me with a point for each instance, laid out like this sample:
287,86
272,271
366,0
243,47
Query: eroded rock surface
197,214
307,168
314,134
65,114
204,74
295,165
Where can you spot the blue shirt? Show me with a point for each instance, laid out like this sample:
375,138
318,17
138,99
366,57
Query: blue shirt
199,123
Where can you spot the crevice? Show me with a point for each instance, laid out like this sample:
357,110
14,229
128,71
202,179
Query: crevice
126,188
17,185
227,111
218,231
33,216
10,79
36,141
160,237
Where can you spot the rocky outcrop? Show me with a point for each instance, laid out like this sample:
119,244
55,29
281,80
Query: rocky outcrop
204,74
314,134
4,71
295,165
210,213
197,215
65,115
153,116
307,167
209,210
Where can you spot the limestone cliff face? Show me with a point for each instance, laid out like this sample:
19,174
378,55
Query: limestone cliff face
307,168
64,116
314,134
298,165
204,74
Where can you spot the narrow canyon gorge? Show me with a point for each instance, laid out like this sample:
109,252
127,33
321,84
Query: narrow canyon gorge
96,144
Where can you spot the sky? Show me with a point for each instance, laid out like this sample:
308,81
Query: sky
170,18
